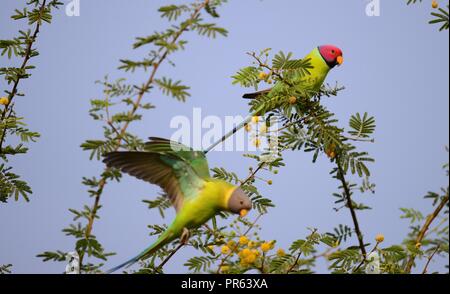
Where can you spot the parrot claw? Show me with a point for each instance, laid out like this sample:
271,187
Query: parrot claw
185,236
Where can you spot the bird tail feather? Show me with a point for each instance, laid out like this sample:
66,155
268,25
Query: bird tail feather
144,254
256,94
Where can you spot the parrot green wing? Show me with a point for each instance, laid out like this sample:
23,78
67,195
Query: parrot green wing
196,159
172,173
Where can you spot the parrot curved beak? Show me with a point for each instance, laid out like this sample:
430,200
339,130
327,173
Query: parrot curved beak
243,212
340,60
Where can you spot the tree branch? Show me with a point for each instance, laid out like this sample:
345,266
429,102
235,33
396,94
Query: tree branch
348,196
424,230
159,267
13,93
298,256
429,260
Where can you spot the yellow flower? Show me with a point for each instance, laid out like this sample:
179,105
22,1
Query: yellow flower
248,128
281,252
269,182
244,253
379,238
251,244
225,249
434,4
4,101
265,247
224,268
243,240
262,75
331,151
270,82
250,259
255,119
263,129
256,252
257,143
211,247
231,243
292,100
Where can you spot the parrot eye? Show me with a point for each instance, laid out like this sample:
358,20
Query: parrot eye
333,52
242,202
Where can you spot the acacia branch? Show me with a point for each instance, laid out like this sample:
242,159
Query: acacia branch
159,267
142,91
425,270
252,225
348,197
291,268
274,72
424,230
27,57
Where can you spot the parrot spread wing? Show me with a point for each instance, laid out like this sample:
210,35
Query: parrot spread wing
196,159
173,173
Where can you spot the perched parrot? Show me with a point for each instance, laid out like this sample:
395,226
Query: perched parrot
323,59
184,176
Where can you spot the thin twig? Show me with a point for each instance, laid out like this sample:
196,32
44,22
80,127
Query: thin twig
358,139
348,196
291,268
424,230
169,256
27,57
364,259
429,260
262,269
274,72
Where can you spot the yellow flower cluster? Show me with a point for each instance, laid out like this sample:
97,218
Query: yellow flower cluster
265,77
248,256
247,250
379,238
331,151
4,101
434,4
292,100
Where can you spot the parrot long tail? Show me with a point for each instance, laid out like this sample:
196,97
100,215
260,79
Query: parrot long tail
234,131
163,240
256,94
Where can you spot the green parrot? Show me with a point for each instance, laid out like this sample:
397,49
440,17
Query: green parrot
322,59
184,176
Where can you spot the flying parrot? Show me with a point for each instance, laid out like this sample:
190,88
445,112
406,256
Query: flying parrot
184,176
322,59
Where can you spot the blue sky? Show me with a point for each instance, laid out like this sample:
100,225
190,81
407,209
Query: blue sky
396,68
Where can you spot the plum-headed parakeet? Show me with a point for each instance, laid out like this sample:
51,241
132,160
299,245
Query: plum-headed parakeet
184,176
322,59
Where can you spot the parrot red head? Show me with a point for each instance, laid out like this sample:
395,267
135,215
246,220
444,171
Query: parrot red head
332,55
